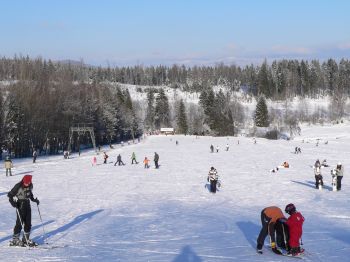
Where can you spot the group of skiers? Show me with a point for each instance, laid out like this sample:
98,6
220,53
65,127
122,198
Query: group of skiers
285,234
227,147
297,150
336,173
133,159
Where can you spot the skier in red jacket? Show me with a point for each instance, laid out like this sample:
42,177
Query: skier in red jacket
295,225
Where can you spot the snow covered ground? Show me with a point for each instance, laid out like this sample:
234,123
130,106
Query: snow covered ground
128,213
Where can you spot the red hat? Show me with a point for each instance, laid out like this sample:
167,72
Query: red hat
27,180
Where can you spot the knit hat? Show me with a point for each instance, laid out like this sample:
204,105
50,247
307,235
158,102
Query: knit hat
27,180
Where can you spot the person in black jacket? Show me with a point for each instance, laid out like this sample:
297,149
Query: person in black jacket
156,159
19,197
119,161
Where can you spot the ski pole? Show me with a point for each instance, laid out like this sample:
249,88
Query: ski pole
42,224
20,220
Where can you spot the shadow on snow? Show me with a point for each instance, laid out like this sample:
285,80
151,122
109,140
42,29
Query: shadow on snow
312,185
187,255
250,231
75,221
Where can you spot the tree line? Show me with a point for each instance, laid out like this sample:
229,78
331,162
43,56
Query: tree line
38,115
41,99
278,80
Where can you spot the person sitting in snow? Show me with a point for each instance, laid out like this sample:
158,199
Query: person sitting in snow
272,221
285,164
213,179
295,228
324,163
19,197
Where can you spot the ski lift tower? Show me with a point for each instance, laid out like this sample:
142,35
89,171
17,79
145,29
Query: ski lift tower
81,129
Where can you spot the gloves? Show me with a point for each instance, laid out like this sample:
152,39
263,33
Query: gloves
36,201
13,202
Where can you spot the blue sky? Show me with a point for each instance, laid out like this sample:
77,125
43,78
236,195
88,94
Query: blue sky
131,32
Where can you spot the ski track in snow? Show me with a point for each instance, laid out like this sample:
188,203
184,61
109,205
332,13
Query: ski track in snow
128,213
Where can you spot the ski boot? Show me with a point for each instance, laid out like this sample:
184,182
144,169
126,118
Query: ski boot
259,249
296,252
27,241
16,241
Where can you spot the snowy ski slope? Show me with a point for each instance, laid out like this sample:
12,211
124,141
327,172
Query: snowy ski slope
128,213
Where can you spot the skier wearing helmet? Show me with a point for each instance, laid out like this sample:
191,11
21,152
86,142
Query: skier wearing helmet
22,191
340,172
295,225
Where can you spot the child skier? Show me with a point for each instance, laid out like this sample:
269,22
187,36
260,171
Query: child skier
19,197
94,161
295,226
105,157
146,162
133,158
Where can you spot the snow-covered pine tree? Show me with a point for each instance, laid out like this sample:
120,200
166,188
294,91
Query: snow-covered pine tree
181,118
261,117
149,119
264,80
161,110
